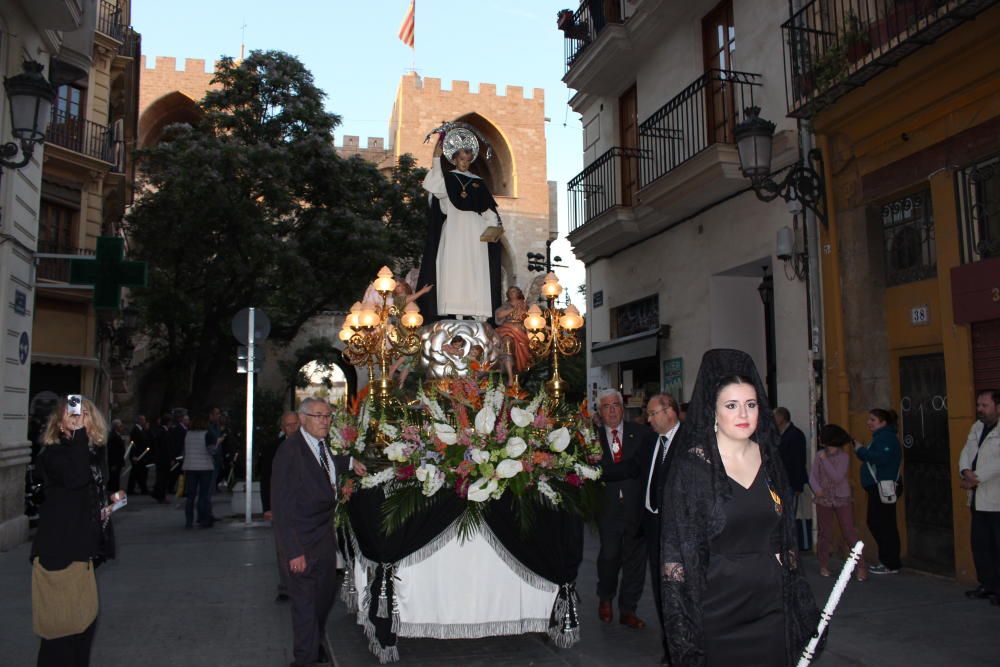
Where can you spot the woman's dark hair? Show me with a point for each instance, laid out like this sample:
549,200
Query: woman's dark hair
732,379
888,416
832,435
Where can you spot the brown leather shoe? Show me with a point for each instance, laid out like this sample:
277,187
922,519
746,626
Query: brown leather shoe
631,620
604,611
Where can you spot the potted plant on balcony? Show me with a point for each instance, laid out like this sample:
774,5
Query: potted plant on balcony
564,19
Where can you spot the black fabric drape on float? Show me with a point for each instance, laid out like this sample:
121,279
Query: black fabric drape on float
553,546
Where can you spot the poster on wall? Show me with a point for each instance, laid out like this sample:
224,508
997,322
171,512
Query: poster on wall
672,378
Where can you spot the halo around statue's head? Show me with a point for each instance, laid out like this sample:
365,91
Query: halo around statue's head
458,139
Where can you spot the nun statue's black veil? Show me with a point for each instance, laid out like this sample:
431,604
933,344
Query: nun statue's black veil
694,496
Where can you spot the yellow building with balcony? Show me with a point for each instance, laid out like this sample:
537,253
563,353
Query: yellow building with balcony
904,100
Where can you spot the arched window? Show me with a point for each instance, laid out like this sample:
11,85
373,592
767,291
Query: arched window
498,172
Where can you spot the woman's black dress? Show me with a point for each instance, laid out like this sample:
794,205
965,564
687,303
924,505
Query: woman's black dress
743,619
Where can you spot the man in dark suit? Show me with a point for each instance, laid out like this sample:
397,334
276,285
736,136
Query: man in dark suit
792,448
663,413
139,455
289,426
161,455
116,455
622,547
303,500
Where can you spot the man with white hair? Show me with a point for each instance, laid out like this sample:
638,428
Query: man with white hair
304,499
619,523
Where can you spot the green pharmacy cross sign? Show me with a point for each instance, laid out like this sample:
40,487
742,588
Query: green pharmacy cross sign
108,272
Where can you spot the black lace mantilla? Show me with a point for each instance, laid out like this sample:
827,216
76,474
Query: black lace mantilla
696,490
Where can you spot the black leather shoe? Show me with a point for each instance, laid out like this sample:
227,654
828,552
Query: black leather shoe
977,593
995,599
281,597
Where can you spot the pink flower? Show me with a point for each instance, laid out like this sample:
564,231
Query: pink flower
349,433
540,421
405,472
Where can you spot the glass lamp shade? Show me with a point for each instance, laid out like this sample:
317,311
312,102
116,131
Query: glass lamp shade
571,319
368,318
534,321
31,97
551,288
411,316
345,333
384,283
753,141
354,317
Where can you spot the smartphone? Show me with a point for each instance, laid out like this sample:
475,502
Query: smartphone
74,404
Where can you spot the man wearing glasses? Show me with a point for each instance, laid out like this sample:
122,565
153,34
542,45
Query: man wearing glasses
304,497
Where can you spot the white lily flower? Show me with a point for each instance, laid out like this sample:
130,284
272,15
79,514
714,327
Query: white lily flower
479,456
433,484
395,451
426,470
445,433
508,468
390,430
485,420
521,417
515,447
587,472
558,439
480,490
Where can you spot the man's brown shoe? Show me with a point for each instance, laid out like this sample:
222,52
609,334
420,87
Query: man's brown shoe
631,620
604,611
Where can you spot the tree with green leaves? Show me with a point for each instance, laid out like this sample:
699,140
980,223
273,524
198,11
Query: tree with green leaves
252,206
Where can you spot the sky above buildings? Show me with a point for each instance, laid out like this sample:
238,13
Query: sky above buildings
355,55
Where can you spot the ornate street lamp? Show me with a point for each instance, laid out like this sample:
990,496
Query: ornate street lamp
802,183
30,96
556,335
376,335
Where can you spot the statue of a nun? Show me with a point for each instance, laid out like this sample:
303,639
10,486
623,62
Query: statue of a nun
464,270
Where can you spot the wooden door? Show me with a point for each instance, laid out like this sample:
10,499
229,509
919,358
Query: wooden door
628,118
719,46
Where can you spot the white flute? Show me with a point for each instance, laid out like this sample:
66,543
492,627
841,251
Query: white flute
831,603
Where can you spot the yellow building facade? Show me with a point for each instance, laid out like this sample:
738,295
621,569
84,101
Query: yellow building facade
905,107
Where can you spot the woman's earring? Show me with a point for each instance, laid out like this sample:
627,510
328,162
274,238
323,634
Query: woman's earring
715,426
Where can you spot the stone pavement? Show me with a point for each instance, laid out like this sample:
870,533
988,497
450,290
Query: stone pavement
204,598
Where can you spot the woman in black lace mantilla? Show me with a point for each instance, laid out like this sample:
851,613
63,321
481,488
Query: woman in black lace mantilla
732,590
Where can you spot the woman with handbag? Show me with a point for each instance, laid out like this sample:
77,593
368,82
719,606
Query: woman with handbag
881,462
74,533
832,495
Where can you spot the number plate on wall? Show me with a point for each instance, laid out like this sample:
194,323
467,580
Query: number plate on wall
920,316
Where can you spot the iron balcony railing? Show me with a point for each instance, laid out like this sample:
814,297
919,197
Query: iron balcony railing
57,268
130,44
701,115
605,183
586,23
109,20
82,136
834,46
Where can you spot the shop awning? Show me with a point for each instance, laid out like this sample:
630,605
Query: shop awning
626,348
65,360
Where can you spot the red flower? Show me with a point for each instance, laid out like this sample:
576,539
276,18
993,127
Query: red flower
405,472
574,479
347,489
462,487
349,433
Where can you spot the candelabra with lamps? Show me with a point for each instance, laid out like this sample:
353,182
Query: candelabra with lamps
376,335
553,332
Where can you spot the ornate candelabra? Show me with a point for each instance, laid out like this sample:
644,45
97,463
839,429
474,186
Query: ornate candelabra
553,332
377,335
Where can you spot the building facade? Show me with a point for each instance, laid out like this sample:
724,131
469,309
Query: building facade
680,254
904,99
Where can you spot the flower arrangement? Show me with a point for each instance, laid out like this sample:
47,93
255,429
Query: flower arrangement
477,441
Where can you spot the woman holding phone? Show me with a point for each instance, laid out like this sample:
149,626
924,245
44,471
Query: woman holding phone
74,531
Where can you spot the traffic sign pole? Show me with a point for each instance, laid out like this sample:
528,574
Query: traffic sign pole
248,514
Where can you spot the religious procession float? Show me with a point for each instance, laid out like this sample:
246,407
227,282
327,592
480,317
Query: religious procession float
469,521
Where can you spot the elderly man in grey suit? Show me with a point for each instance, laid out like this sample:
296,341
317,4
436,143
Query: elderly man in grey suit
304,497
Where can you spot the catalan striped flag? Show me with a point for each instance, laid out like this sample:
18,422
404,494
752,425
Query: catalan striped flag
407,29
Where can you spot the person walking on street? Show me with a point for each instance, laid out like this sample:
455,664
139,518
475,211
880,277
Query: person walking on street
140,455
792,448
623,550
979,467
304,501
289,427
832,495
160,439
73,528
116,456
198,472
881,461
